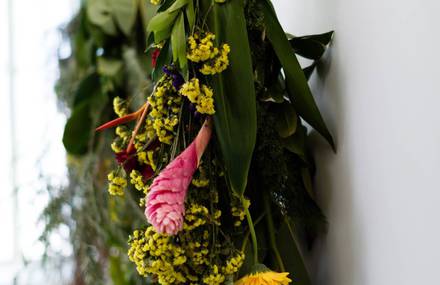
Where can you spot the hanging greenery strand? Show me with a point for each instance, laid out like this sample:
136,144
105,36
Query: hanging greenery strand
217,144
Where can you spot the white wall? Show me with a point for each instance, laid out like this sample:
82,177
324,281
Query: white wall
379,92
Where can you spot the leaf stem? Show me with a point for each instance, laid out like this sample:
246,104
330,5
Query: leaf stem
246,237
252,232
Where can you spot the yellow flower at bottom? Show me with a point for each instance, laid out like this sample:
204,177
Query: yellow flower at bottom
265,278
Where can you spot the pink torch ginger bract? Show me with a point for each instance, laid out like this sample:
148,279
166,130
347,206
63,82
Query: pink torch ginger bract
165,205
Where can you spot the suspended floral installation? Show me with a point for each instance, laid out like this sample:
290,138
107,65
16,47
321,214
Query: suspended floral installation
218,150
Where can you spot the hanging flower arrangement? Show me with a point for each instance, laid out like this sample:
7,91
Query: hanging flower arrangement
217,152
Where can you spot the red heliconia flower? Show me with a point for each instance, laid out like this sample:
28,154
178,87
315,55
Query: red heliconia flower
165,201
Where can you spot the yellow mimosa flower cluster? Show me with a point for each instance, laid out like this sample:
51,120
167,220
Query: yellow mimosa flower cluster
185,258
200,96
165,107
121,140
234,264
116,184
120,106
219,63
238,210
202,49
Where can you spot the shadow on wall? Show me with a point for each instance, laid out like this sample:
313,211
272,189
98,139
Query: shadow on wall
328,83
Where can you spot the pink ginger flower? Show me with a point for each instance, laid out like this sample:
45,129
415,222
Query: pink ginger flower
165,206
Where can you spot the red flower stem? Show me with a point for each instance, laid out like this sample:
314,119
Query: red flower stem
137,128
125,119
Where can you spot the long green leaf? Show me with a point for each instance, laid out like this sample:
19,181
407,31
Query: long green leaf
190,14
297,86
291,256
178,42
177,5
235,118
307,48
162,21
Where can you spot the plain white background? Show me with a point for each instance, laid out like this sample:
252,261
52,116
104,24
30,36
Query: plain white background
379,92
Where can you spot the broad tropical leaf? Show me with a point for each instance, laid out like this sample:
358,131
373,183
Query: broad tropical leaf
234,93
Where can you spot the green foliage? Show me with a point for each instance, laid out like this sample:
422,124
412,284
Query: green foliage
77,134
311,47
234,93
287,120
292,261
178,42
296,82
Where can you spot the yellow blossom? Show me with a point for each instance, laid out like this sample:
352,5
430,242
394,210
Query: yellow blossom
265,278
165,105
201,49
137,180
201,96
215,278
117,184
238,210
219,63
200,183
120,106
234,264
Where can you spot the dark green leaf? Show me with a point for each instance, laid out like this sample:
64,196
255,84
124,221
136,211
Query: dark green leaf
324,38
234,93
296,143
286,119
125,12
291,256
307,48
165,5
77,131
308,71
178,42
307,180
296,82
